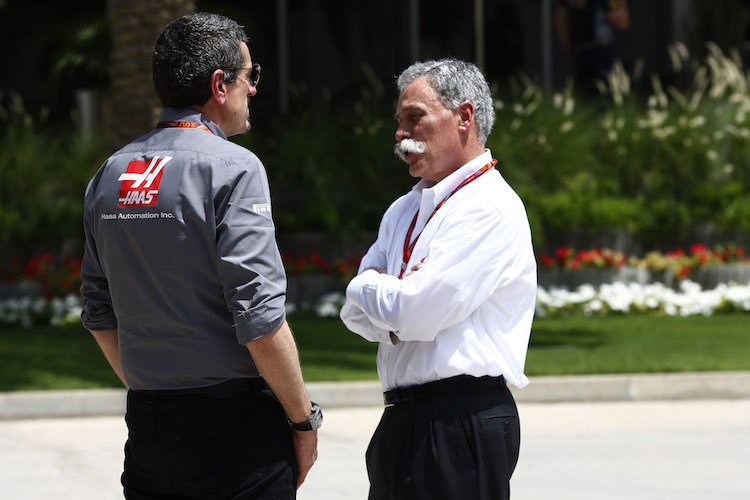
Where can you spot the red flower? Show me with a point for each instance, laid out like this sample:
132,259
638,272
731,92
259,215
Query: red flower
342,267
57,276
584,255
685,271
318,261
299,264
563,253
548,261
698,248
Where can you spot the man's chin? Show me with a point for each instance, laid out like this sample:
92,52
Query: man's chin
245,129
414,170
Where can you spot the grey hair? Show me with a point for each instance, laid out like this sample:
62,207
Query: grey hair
456,81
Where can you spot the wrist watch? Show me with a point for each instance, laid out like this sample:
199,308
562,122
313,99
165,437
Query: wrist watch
313,422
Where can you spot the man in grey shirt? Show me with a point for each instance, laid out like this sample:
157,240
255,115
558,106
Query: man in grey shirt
184,289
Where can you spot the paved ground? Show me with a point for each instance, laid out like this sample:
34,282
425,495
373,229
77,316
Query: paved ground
653,450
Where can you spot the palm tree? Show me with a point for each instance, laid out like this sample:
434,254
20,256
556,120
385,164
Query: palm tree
131,108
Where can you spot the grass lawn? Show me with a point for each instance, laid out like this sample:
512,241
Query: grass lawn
639,344
68,358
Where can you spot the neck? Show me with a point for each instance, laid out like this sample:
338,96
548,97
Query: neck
463,157
472,152
210,112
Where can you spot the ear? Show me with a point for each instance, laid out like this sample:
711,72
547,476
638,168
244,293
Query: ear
465,113
218,87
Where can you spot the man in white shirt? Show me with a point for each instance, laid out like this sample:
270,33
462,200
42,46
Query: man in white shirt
448,291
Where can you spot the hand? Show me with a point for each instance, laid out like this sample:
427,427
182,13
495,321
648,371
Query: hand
306,452
416,267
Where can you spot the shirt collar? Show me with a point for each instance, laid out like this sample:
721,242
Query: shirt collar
438,191
190,115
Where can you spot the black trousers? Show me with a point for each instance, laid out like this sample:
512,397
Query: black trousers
230,441
456,438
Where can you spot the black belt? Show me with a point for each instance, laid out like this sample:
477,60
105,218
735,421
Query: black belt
460,383
233,385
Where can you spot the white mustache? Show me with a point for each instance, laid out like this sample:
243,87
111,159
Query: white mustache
405,146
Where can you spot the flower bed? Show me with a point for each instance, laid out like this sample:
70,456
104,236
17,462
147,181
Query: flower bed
655,298
42,289
29,311
707,266
617,299
41,275
601,281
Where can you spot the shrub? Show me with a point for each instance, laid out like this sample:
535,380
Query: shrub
42,180
657,163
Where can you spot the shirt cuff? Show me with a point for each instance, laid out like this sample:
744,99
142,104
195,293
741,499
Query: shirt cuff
354,289
357,321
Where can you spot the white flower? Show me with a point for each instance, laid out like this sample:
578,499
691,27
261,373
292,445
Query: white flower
327,310
569,106
557,100
689,300
329,305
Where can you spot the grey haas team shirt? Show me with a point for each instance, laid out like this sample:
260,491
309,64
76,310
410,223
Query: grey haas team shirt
181,256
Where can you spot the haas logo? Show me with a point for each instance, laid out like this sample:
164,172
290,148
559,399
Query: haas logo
139,184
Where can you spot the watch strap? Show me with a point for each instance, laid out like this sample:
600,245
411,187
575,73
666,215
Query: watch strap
313,422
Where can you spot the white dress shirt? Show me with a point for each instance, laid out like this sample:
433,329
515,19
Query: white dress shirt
469,309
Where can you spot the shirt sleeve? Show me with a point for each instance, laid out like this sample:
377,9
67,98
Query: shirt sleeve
358,322
97,312
467,261
249,264
353,317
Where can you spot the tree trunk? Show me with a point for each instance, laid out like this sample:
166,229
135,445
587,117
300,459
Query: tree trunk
132,107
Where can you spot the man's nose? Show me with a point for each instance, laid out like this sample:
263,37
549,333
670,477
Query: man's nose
402,133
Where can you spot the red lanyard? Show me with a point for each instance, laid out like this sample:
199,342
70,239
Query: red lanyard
183,124
409,247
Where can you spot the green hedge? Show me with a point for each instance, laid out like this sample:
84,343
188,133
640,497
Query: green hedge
43,176
657,161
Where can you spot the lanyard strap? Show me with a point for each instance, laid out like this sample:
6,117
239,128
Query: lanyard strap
183,124
408,244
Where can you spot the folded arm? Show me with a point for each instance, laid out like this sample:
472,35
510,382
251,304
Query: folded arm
465,264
